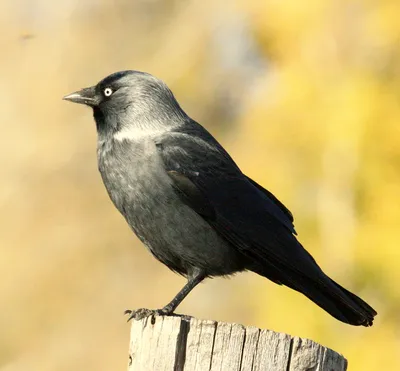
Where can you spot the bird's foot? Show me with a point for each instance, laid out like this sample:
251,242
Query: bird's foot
141,313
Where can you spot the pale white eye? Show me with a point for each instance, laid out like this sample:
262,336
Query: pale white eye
108,92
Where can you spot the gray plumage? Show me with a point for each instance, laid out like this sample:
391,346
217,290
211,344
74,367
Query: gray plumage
190,204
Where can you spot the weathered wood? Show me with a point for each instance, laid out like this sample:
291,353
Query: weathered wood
188,344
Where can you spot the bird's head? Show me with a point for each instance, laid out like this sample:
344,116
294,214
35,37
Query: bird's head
130,101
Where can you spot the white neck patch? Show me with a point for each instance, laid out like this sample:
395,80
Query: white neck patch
137,133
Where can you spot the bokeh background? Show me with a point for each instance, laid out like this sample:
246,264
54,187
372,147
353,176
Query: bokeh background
304,95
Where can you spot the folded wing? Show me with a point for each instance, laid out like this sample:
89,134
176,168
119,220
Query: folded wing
252,220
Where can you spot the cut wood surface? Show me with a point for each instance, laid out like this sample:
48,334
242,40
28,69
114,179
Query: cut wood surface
180,343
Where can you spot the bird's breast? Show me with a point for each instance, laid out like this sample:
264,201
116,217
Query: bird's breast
134,177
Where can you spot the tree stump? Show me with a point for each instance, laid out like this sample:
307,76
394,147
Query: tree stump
181,343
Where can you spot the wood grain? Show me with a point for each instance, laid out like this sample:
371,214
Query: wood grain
180,343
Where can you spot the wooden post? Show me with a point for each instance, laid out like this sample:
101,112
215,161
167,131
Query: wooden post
181,343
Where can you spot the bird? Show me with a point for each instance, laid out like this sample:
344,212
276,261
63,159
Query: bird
191,205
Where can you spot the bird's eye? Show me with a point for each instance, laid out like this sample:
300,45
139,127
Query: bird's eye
108,92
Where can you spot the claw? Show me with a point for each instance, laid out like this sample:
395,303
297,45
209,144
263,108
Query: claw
141,313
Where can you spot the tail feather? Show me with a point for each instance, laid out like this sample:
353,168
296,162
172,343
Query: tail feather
336,300
364,310
307,277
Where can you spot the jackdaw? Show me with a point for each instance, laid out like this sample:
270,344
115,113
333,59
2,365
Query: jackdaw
190,204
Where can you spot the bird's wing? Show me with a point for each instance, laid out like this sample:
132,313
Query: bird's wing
209,181
287,212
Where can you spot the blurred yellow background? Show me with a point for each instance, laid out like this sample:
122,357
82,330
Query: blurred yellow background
304,95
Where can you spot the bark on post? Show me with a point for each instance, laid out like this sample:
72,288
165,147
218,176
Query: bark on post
189,344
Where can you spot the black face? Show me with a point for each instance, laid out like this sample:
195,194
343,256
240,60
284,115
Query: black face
129,99
106,90
114,87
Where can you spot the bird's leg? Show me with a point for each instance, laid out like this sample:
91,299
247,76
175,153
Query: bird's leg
193,280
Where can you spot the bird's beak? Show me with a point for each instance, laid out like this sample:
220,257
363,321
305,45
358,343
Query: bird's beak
85,96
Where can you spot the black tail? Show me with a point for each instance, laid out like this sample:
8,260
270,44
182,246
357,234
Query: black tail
336,300
293,266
